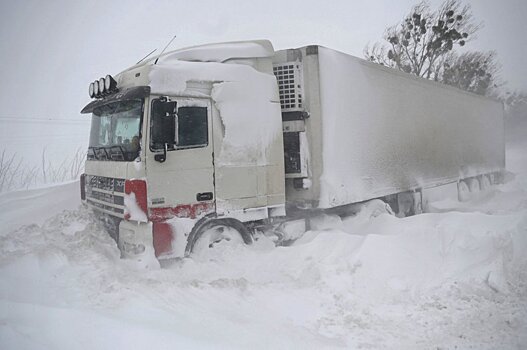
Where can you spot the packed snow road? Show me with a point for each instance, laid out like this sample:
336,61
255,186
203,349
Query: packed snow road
452,278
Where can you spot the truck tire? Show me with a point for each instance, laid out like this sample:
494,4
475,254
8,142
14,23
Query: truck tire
473,185
208,232
463,191
485,182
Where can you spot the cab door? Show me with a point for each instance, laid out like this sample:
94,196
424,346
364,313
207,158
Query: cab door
180,170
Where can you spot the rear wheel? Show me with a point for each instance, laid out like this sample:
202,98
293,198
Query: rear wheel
463,191
485,182
473,185
213,233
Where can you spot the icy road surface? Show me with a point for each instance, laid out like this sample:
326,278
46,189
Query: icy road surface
451,279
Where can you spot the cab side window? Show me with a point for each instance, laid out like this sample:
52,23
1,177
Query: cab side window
178,128
192,128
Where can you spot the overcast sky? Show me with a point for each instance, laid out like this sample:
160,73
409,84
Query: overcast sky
51,50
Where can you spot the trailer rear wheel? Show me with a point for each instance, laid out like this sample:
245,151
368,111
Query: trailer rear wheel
211,233
473,185
485,182
463,191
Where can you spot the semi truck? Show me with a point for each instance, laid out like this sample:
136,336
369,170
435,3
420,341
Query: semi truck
216,143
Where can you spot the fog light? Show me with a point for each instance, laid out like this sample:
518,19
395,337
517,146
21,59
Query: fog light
133,249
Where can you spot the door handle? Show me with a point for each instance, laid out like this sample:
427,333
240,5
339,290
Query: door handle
204,196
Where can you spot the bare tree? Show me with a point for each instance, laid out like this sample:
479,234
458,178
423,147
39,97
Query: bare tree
68,169
515,99
6,166
472,71
77,163
424,44
515,111
16,174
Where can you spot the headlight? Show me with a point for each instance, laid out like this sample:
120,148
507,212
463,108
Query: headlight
133,249
96,88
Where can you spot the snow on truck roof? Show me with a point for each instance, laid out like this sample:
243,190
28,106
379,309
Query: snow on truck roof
245,94
171,73
221,52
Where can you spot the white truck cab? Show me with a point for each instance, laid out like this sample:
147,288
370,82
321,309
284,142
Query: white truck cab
175,138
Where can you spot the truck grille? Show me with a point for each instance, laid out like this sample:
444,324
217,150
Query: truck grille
105,183
107,197
105,194
289,78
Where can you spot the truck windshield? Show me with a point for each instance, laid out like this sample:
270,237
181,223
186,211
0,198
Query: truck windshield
116,131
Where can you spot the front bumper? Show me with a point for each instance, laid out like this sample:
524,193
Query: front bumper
135,243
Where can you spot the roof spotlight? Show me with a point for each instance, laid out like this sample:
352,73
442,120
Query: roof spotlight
90,91
102,90
109,83
102,87
96,88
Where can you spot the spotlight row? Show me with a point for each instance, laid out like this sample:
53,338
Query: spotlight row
102,87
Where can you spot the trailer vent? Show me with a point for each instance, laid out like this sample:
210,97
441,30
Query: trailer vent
289,77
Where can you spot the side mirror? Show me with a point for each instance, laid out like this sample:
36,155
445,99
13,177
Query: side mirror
162,157
168,108
163,126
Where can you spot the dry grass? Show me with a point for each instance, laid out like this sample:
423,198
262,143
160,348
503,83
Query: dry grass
16,174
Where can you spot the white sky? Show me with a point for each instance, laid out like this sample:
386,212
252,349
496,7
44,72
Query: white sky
51,50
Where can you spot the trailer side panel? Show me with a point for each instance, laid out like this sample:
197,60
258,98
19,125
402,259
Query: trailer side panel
386,132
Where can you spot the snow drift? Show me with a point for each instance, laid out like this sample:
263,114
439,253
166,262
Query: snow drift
451,278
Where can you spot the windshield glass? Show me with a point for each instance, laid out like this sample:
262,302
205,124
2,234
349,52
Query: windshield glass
116,131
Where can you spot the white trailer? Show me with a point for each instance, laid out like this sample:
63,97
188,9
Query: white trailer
211,143
355,130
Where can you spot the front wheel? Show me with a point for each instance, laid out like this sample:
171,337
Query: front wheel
212,233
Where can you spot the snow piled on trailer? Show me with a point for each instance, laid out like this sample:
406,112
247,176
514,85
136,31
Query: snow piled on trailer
453,278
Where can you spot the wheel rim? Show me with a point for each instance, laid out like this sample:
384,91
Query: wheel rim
218,236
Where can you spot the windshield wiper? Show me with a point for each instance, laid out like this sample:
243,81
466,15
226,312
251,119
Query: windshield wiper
119,148
94,152
115,152
105,152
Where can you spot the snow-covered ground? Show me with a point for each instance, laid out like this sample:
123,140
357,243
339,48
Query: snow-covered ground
452,278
